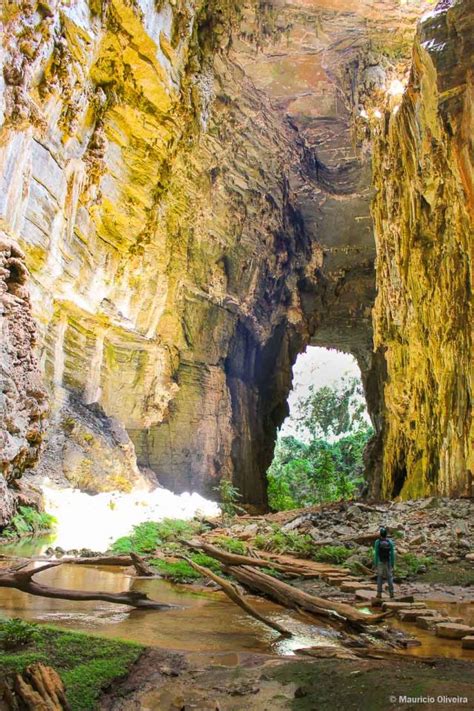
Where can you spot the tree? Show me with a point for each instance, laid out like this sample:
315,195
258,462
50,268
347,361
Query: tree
333,411
330,465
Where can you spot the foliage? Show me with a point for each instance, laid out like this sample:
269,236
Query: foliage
232,545
28,521
16,633
179,571
303,474
147,536
228,496
332,554
408,564
326,464
333,411
86,664
281,542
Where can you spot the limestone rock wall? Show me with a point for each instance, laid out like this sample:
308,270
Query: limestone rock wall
23,401
191,192
423,211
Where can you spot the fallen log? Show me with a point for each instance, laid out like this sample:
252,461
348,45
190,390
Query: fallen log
124,560
294,598
231,592
142,567
23,580
283,564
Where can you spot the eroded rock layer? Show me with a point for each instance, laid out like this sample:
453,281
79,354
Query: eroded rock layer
423,172
190,183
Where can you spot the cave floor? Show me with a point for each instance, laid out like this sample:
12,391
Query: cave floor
176,682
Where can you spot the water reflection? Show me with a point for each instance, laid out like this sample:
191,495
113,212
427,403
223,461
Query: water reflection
201,622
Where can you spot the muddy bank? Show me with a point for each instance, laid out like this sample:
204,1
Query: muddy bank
170,682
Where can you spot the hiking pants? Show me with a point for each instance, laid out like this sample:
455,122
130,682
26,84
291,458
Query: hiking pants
384,570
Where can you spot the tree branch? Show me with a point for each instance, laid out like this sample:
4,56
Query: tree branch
23,580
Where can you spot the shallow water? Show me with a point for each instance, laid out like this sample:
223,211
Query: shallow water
203,622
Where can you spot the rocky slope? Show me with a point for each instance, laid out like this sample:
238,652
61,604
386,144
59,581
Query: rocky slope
190,182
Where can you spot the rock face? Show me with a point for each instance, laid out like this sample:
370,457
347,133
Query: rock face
23,403
423,210
191,184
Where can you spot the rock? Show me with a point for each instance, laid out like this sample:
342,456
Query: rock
413,614
429,622
355,586
452,630
401,605
468,642
469,556
407,198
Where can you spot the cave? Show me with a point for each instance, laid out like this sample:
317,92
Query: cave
194,209
195,197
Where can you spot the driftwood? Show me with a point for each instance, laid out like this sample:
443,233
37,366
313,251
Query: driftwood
21,579
298,599
39,687
232,593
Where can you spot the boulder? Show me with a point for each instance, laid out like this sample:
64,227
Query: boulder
468,642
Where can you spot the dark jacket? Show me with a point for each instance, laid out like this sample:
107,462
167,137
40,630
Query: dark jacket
376,552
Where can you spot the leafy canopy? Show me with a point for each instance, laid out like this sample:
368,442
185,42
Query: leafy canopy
328,465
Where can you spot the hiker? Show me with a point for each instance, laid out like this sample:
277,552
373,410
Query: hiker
384,560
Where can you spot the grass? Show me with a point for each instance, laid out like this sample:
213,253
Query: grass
85,663
28,521
147,537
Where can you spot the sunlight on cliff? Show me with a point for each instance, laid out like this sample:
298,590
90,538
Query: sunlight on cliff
95,521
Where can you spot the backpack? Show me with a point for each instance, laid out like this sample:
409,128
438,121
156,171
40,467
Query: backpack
384,550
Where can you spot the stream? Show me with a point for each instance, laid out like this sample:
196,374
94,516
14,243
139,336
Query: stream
203,622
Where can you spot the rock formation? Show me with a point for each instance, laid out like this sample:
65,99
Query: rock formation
190,183
423,210
23,403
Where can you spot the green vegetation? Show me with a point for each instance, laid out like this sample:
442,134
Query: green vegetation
232,545
147,537
332,554
16,633
28,521
85,663
179,571
228,497
409,564
291,542
328,465
301,545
